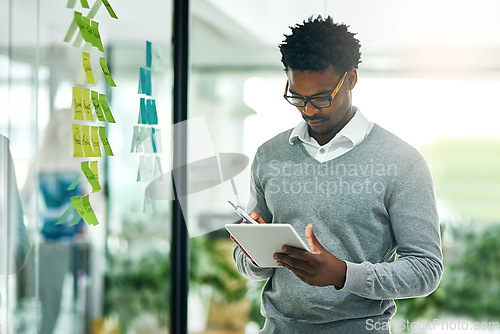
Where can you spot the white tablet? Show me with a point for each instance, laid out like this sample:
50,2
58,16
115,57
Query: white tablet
263,240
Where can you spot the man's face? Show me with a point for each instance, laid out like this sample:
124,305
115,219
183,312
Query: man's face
323,123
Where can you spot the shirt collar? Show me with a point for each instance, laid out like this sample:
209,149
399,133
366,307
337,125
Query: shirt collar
355,130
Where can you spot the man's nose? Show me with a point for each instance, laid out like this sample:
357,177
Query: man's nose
310,109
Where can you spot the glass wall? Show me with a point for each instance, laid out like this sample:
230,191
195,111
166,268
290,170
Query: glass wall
426,76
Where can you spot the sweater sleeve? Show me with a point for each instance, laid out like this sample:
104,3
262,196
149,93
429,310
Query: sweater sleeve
256,202
418,270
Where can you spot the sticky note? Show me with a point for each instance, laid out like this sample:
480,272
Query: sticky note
64,217
90,217
76,202
87,105
105,141
86,142
88,68
104,66
73,27
153,139
82,22
94,138
152,115
105,108
143,115
145,82
96,37
75,182
156,133
77,104
76,219
97,106
148,54
95,8
77,141
110,10
139,136
84,209
90,171
71,4
84,3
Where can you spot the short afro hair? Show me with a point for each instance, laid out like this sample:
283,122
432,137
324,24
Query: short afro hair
318,43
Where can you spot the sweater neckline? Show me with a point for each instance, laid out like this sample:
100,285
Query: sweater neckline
352,151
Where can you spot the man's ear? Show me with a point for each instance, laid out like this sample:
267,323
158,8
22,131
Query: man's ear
352,78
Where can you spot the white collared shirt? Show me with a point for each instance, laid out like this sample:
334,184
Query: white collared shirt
351,135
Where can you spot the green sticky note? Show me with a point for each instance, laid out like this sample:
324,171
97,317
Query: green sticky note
84,209
76,202
77,103
104,66
77,141
105,108
104,140
96,37
90,172
71,4
97,106
88,68
65,215
110,10
75,182
90,217
84,3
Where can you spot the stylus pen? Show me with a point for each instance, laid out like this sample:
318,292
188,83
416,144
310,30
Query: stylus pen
242,213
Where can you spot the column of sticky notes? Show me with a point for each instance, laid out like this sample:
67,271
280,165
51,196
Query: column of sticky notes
146,139
91,111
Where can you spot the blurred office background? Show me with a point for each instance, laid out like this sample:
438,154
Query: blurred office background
430,73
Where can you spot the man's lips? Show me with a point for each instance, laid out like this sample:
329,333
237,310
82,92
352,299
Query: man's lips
315,122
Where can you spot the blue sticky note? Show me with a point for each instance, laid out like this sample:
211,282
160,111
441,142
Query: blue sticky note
144,112
148,54
153,139
151,111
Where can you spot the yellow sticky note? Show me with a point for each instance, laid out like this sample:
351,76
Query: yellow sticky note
87,105
94,137
77,103
104,140
86,142
105,108
88,68
77,141
110,10
104,65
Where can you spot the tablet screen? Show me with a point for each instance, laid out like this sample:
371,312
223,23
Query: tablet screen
263,240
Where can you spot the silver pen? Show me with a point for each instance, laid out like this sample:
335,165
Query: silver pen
243,214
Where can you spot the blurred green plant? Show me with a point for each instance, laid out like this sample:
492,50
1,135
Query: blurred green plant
133,286
470,286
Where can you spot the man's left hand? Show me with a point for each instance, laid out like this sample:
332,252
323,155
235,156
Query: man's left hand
319,268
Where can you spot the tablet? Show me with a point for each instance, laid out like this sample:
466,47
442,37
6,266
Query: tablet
263,240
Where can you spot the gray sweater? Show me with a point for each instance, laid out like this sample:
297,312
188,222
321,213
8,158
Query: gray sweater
366,206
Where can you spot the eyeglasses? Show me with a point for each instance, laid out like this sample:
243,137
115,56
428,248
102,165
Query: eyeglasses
318,102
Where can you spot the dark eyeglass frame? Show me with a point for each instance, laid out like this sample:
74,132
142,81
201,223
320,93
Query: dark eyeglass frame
312,100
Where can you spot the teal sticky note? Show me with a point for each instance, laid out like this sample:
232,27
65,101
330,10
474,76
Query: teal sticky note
148,54
144,113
